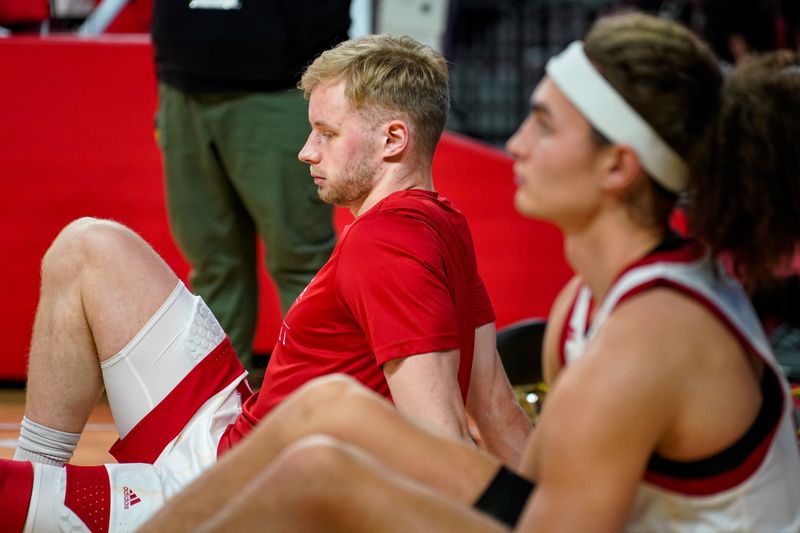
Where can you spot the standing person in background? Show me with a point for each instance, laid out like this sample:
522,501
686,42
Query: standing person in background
230,124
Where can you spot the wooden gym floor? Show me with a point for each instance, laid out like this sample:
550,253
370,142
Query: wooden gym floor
93,447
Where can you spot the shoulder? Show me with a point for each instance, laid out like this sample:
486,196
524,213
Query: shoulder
563,302
662,338
388,226
662,315
425,206
386,247
638,362
399,222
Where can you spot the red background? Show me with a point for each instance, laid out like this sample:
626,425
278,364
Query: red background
76,139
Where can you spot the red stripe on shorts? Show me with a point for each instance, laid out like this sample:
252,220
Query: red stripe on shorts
154,432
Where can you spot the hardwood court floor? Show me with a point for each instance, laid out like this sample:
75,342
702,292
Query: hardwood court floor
93,447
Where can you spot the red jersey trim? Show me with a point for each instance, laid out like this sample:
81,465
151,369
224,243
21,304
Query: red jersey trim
689,252
16,484
719,483
154,432
737,472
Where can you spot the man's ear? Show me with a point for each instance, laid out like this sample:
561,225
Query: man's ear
622,168
397,138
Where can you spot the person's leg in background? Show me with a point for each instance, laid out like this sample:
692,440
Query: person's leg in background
207,217
294,224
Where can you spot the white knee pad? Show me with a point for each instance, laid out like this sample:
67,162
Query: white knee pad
175,339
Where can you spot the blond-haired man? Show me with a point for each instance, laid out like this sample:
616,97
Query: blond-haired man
399,306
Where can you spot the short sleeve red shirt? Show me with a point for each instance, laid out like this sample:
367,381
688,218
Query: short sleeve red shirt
401,281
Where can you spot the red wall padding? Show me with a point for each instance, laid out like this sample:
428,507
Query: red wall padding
23,11
76,139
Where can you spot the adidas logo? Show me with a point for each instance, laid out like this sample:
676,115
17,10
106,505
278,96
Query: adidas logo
129,498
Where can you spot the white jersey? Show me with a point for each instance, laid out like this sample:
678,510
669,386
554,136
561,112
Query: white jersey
755,484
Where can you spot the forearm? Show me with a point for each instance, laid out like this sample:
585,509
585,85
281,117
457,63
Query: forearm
504,430
425,388
442,418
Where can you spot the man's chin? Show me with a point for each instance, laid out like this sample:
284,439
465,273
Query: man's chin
329,199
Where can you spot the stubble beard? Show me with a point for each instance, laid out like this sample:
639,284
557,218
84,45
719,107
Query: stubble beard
356,182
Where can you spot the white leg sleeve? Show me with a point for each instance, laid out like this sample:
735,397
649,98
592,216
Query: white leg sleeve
177,337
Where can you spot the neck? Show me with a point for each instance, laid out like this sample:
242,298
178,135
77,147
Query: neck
599,252
390,180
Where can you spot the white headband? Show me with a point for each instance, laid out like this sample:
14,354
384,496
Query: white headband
612,116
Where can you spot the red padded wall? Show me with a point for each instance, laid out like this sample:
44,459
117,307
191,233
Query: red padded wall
76,139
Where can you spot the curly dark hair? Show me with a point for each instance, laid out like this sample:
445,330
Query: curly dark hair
747,202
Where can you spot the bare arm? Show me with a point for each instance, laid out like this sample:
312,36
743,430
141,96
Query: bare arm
640,388
551,361
425,388
600,424
491,403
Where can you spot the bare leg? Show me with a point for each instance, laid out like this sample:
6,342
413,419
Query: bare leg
340,408
100,284
321,484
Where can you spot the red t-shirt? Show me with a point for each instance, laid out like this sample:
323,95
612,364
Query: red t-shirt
401,281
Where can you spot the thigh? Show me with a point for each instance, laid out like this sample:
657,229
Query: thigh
342,410
123,280
323,484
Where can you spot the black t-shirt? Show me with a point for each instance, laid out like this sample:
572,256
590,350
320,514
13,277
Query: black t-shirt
261,46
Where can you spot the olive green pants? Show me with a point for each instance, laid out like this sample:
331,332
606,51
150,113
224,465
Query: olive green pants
232,174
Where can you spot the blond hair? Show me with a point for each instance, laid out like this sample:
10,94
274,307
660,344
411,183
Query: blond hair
390,74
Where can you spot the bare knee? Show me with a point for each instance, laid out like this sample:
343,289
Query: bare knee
82,242
332,401
302,490
78,239
311,458
312,476
86,227
328,387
